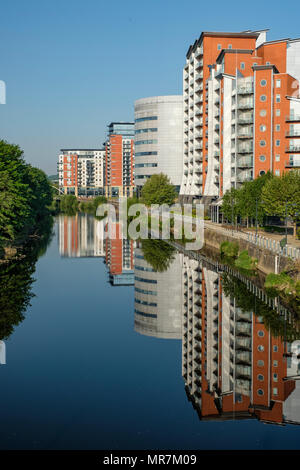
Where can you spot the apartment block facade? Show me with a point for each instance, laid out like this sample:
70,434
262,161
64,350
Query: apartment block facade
81,171
233,366
241,111
158,138
119,160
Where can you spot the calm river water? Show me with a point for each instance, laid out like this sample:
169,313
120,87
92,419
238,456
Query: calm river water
137,346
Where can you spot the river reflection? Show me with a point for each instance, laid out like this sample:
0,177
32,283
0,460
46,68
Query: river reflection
239,347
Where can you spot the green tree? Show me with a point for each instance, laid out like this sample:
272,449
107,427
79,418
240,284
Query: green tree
68,204
158,190
25,193
158,254
230,204
281,196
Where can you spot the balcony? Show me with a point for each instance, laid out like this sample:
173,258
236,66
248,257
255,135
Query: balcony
244,149
199,76
198,157
244,162
293,118
293,148
198,168
217,154
245,119
246,104
244,134
242,177
293,133
245,90
199,52
293,163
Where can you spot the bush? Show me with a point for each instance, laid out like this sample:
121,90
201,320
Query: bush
245,262
229,249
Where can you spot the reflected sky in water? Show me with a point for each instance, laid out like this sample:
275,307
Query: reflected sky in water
114,354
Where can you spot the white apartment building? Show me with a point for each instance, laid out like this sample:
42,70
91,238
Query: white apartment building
81,171
158,138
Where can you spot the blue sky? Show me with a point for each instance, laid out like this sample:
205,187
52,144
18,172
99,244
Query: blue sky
71,67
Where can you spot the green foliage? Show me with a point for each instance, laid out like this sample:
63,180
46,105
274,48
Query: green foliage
248,302
25,194
229,249
281,194
287,287
158,190
16,278
245,262
158,254
68,204
298,233
91,206
246,201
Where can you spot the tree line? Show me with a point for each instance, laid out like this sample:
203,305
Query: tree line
25,195
267,195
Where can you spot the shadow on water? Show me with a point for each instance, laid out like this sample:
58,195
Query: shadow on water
16,278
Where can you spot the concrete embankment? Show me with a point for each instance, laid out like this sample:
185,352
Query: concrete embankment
268,262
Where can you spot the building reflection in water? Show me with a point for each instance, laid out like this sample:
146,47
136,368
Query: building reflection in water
2,353
234,364
119,258
157,298
81,235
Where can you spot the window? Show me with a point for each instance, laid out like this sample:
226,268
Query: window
255,63
268,63
260,377
262,172
242,65
262,143
275,377
277,172
260,348
277,158
278,83
260,363
275,391
262,128
275,363
277,143
263,98
144,154
277,112
260,392
262,158
261,333
277,98
263,82
277,127
147,118
275,348
219,47
263,113
229,46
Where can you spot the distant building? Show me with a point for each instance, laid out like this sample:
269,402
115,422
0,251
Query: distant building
158,138
119,155
81,171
